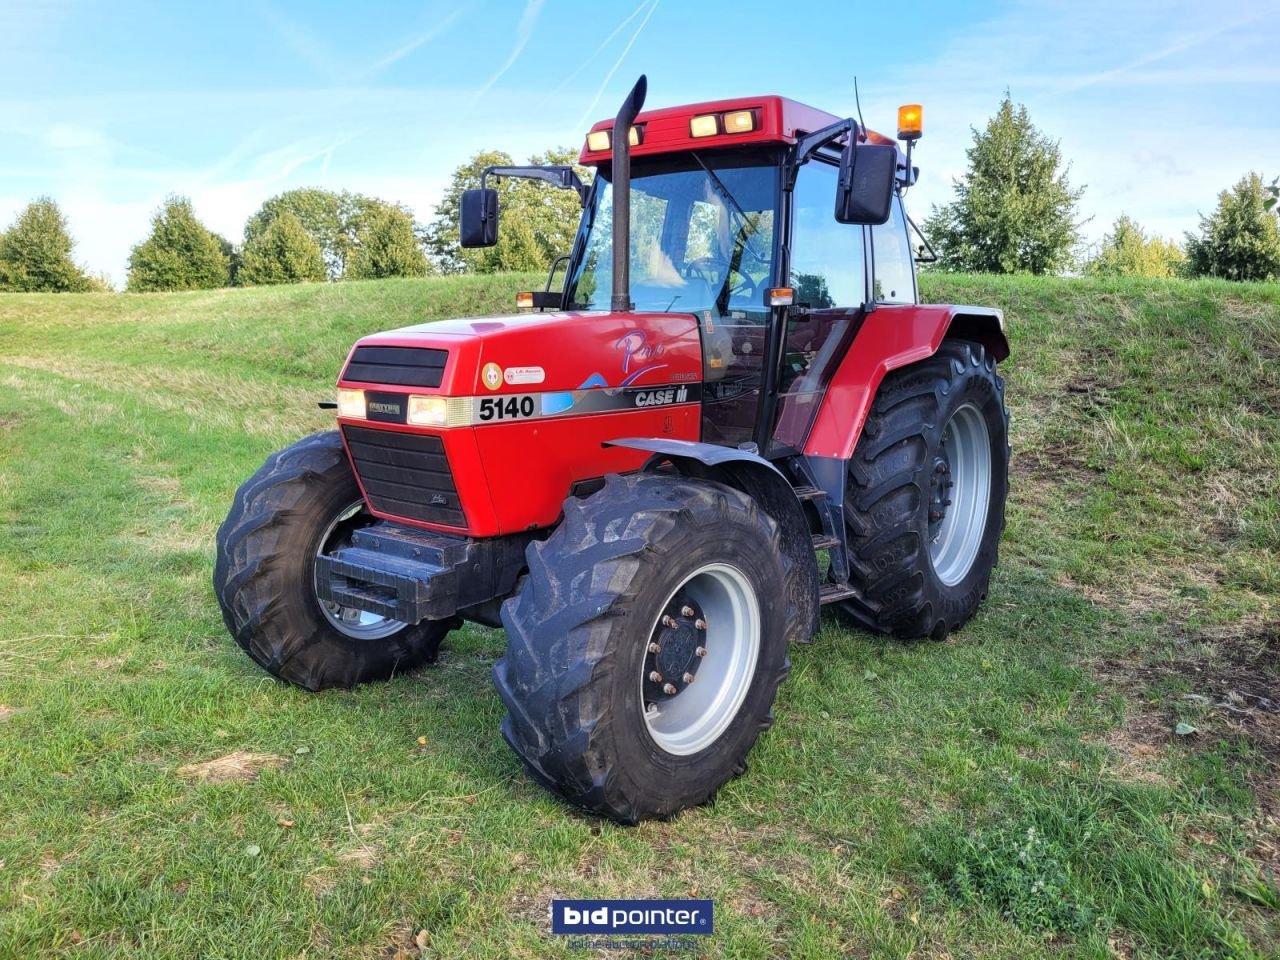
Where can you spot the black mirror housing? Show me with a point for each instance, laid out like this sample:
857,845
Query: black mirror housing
868,174
478,223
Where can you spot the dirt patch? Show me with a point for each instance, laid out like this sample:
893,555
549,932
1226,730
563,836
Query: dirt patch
1232,677
531,908
8,423
748,902
363,857
1137,749
1055,464
320,883
239,767
6,712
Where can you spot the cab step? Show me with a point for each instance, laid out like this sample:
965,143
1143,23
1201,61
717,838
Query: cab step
823,542
809,492
832,592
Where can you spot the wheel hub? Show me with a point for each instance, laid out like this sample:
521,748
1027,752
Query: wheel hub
675,650
350,622
940,484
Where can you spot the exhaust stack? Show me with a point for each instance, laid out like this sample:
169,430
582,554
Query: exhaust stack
622,194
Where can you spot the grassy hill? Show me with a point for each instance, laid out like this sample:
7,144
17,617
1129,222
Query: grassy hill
1017,791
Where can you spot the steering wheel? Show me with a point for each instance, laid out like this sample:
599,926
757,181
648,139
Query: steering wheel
713,269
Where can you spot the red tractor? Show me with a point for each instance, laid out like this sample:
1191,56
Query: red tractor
733,412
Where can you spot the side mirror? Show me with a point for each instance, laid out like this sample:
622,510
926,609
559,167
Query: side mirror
478,223
868,172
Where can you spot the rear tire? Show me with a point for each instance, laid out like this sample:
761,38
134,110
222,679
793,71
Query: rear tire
583,712
304,499
924,506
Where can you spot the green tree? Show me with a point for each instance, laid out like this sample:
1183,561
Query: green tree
335,219
1014,211
388,248
283,253
35,253
1241,240
1128,252
180,254
536,221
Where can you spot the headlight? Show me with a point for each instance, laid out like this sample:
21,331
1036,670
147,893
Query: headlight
351,404
428,411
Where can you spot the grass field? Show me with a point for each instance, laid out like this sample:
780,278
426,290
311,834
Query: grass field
1016,791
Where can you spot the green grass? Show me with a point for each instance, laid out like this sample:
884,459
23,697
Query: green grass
887,814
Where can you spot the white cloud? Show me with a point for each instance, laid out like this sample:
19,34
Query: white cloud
587,114
524,32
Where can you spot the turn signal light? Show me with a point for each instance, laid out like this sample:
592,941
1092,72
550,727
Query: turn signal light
740,121
524,301
910,121
780,296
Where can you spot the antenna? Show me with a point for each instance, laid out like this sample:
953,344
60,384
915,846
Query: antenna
862,127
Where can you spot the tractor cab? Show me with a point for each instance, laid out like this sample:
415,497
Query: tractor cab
740,216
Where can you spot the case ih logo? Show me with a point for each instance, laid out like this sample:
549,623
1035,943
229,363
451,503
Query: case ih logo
661,398
632,916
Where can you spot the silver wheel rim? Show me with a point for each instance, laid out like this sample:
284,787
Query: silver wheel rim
348,621
966,460
702,710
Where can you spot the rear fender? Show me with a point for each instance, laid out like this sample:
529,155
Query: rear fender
890,337
766,485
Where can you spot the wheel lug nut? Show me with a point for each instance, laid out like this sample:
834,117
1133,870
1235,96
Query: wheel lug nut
700,624
687,678
669,689
654,648
701,651
668,622
686,611
655,676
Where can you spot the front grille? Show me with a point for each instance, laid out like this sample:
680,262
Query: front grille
405,475
402,366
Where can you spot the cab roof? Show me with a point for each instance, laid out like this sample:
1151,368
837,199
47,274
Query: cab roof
776,120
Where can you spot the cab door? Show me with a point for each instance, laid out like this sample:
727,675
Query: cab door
829,271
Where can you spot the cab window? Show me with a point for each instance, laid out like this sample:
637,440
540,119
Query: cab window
828,267
895,280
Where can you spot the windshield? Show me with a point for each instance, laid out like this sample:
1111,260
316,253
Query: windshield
701,237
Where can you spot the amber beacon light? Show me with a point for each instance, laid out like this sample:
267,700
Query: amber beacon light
910,121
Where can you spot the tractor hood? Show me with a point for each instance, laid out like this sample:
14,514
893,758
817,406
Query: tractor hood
530,353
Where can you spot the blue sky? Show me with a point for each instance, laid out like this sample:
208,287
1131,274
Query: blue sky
108,107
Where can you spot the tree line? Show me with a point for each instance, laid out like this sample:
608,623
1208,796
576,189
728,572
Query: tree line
1014,211
303,235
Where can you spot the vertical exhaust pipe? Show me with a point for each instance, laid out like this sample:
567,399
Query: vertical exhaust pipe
622,194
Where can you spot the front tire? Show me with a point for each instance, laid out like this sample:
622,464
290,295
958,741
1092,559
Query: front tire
610,703
303,501
924,506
